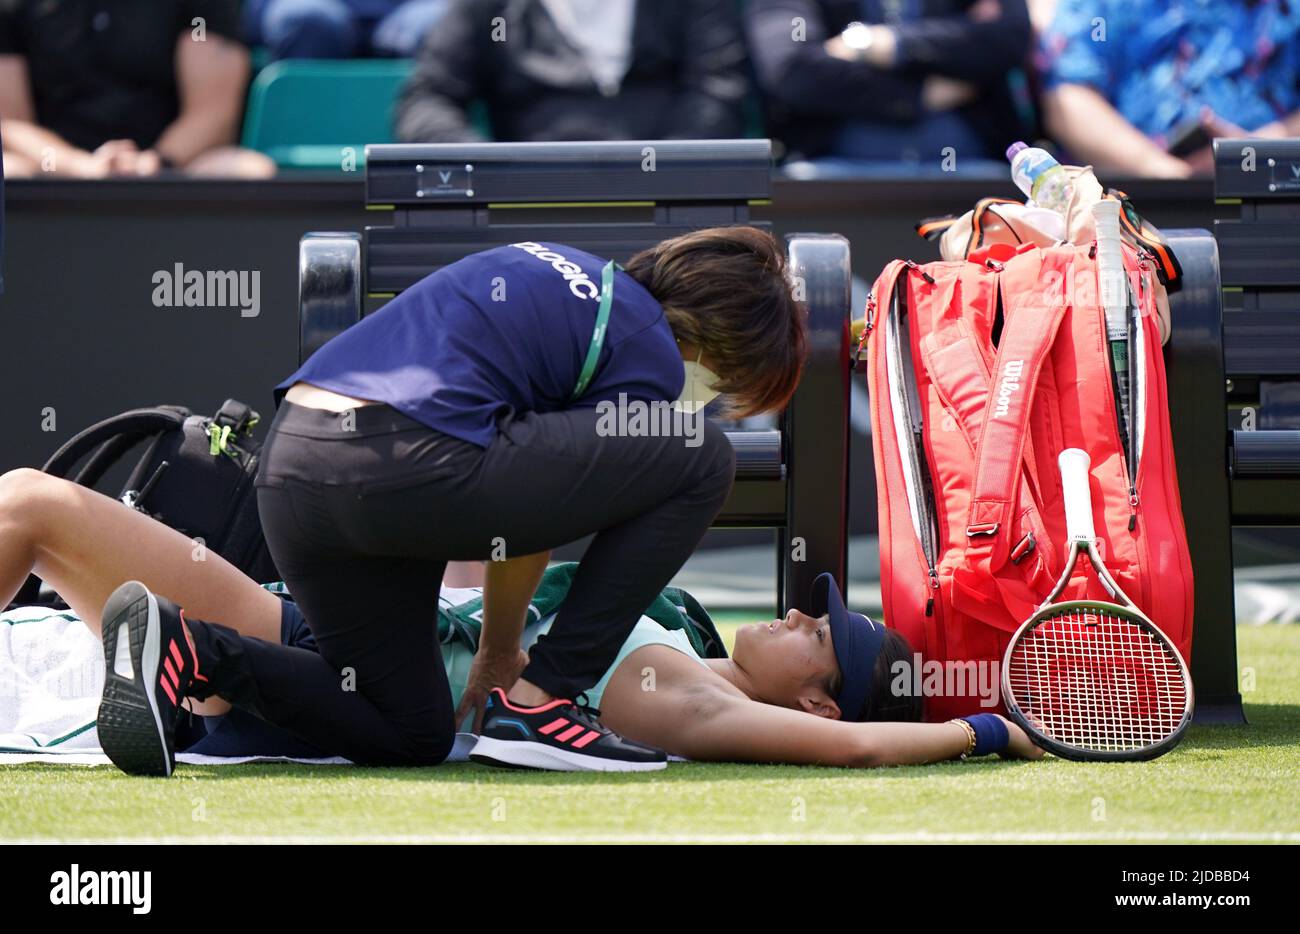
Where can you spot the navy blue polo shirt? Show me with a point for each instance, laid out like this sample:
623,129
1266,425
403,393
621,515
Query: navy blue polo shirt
505,330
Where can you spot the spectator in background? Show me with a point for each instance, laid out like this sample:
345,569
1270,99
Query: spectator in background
579,70
340,28
92,88
889,80
1130,80
1040,15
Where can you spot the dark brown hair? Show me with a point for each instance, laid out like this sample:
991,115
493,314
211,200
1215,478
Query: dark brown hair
883,704
724,289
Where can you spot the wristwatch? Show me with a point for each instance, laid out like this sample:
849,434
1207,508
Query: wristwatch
858,37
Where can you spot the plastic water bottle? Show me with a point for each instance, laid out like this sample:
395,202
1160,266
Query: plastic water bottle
1040,177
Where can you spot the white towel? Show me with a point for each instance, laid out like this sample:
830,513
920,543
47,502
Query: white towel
51,676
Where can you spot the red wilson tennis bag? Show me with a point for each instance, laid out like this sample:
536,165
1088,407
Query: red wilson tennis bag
980,373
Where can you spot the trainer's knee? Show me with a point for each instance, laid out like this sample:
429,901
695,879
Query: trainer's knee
432,750
417,747
717,460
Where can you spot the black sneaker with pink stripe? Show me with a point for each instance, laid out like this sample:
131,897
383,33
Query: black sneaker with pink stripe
149,668
560,736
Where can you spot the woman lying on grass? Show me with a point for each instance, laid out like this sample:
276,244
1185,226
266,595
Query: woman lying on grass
806,689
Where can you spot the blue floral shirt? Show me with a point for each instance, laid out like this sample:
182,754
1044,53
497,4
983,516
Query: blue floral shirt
1158,62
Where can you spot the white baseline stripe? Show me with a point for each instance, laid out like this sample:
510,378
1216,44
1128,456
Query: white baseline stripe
1137,836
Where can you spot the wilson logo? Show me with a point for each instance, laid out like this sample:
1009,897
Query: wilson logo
580,283
1010,384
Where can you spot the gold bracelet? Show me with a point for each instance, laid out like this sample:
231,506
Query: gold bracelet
970,736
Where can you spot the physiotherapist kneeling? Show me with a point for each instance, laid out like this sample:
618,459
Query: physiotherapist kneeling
505,405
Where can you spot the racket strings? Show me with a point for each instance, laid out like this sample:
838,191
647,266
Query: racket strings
1098,680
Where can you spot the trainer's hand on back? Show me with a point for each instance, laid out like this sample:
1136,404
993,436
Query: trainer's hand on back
1021,746
488,671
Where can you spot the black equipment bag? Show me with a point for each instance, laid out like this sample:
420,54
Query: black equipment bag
195,475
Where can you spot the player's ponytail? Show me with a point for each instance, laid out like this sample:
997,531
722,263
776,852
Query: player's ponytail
884,703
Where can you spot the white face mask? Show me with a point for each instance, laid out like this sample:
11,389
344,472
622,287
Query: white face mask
697,391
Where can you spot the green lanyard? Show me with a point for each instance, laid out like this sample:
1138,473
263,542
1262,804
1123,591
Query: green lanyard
598,334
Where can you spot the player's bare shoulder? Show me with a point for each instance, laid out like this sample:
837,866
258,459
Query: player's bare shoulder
660,689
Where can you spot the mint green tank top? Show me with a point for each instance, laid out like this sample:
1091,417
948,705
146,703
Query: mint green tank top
457,657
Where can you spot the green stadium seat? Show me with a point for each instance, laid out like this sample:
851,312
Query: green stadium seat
303,113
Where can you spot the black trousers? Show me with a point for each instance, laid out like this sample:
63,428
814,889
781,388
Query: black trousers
362,511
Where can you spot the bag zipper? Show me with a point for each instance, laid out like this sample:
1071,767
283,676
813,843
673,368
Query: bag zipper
1137,410
909,402
1130,471
1138,427
869,322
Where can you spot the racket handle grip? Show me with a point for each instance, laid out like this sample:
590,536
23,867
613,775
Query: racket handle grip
1074,464
1105,213
1111,277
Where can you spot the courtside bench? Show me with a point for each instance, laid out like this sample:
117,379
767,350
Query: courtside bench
445,201
1234,388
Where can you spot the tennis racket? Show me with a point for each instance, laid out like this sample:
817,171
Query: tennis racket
1092,680
1113,291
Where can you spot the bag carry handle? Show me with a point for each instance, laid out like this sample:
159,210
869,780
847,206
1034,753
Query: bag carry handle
136,425
1148,238
933,228
1032,320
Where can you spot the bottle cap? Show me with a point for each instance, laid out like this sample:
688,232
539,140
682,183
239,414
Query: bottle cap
1015,149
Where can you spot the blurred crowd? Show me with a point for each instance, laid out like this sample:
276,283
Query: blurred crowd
97,88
